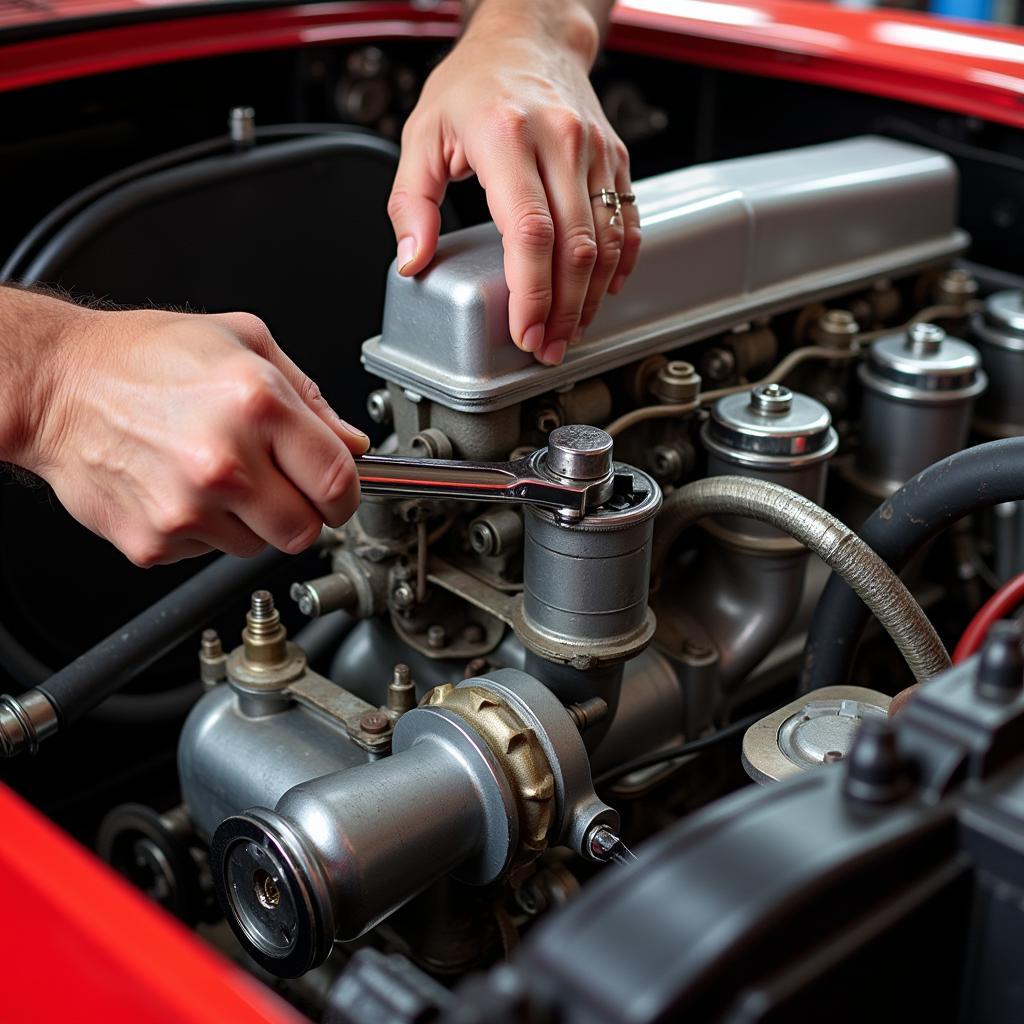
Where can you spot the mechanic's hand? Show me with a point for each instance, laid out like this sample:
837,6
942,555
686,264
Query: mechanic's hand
513,104
172,435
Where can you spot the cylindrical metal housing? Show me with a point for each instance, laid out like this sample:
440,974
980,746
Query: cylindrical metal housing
484,775
325,863
998,332
919,388
588,580
769,433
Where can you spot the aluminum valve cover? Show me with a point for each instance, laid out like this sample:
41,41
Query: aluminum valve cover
723,242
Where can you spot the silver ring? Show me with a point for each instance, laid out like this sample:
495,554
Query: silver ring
614,201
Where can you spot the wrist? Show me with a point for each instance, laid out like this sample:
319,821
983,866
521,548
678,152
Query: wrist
569,25
38,333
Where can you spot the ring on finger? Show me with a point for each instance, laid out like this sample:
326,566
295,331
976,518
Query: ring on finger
614,201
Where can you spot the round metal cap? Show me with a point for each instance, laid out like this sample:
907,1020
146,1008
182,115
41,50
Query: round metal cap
823,731
579,452
1002,322
923,359
770,421
272,894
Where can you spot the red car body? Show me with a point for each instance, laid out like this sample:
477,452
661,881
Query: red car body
80,941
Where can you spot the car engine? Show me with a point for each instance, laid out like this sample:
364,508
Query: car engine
571,594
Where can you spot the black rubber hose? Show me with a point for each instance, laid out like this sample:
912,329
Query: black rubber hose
900,527
120,709
105,668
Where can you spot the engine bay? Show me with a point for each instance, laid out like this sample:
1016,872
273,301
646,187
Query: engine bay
563,724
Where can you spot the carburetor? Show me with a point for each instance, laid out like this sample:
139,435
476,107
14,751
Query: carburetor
327,813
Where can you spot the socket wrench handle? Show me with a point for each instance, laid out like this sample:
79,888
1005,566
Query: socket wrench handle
583,452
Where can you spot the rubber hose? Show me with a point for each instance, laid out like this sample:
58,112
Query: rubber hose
120,709
103,669
900,527
831,540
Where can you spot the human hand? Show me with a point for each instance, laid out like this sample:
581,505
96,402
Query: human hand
513,104
171,435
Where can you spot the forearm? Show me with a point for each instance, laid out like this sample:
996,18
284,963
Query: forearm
577,23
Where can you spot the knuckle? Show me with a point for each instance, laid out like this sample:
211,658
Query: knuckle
398,203
309,391
339,479
211,467
581,252
303,536
611,252
511,124
535,230
257,392
253,332
619,153
145,552
539,295
572,131
177,519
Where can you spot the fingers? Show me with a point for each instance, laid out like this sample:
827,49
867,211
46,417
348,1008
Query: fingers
519,206
414,205
609,230
631,228
275,511
575,251
256,336
319,467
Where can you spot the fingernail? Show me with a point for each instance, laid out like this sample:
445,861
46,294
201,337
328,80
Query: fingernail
616,286
533,338
406,253
348,426
553,353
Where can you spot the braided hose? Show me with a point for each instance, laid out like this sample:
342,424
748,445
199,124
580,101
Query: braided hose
831,540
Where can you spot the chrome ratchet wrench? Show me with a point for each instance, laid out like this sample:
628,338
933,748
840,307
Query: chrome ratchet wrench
573,474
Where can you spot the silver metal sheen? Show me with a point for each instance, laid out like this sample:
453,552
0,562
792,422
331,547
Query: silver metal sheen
587,582
924,363
757,235
771,398
763,427
579,452
919,390
998,332
1004,312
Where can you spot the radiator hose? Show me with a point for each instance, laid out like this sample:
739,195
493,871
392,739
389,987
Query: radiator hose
920,510
836,544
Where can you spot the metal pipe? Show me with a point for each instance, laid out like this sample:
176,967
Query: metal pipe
834,542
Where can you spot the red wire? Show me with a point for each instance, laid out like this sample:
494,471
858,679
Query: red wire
998,606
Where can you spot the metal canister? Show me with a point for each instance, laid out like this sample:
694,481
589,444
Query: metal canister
919,391
588,580
770,433
998,332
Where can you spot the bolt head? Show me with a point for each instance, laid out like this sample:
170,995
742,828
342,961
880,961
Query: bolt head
374,723
772,399
925,339
403,596
378,405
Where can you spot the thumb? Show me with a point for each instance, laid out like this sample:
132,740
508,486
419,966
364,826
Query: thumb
414,206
